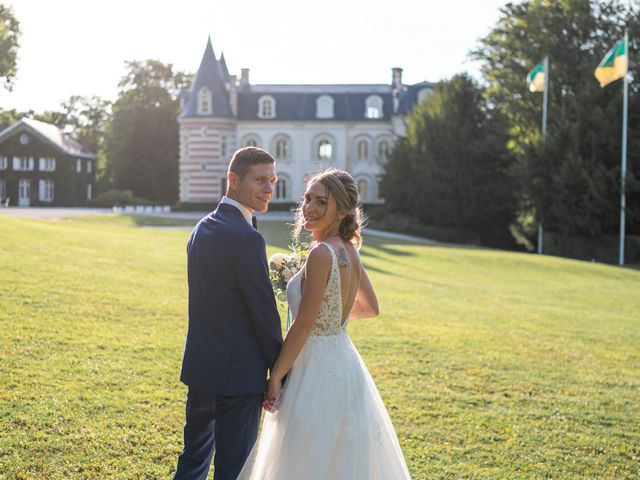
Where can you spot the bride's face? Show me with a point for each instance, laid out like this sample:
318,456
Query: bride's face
319,209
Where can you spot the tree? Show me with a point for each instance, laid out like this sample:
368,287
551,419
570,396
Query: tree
452,170
571,181
87,117
142,138
9,35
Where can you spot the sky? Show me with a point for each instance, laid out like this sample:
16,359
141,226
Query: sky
79,47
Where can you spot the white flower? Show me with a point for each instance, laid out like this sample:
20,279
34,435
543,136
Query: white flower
277,259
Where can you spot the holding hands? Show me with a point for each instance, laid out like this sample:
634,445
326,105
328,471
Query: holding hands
271,397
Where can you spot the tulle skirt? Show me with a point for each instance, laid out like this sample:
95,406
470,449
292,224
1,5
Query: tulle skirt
330,422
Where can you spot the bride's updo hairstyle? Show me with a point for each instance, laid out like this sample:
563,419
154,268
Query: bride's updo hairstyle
342,187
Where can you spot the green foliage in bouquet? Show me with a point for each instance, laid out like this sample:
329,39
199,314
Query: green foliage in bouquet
282,268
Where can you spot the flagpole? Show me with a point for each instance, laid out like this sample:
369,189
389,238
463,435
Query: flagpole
625,103
545,97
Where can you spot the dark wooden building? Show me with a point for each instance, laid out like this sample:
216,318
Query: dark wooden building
42,166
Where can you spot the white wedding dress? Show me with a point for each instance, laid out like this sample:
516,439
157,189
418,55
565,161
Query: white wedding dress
331,423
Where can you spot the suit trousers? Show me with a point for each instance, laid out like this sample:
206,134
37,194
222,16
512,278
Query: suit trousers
226,425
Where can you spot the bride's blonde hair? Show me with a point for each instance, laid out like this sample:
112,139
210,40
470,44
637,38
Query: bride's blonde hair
342,187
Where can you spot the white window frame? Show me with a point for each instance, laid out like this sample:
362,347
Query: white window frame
282,147
3,189
47,164
324,106
373,107
78,165
89,191
205,101
24,191
89,166
4,163
251,140
383,157
45,190
362,149
281,188
364,195
266,107
23,164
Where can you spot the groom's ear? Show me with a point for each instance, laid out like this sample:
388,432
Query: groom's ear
232,181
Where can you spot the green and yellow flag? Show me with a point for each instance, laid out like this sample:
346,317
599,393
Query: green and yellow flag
614,65
535,78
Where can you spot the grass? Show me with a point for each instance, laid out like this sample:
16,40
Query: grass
492,364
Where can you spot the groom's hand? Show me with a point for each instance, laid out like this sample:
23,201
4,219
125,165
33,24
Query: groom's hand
270,403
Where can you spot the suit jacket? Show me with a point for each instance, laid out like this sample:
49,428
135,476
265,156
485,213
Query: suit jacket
234,332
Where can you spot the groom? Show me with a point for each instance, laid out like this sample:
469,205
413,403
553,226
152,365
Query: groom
234,333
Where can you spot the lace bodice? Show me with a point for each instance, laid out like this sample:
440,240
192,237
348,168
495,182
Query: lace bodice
329,321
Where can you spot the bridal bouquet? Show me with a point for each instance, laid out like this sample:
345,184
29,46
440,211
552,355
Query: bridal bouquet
282,268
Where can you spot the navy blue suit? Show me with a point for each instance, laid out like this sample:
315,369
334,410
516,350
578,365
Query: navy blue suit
234,337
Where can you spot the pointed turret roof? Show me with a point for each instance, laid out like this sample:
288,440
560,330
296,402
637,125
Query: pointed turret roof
225,70
209,75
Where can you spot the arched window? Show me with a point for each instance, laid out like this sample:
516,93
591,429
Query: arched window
204,101
325,150
266,107
363,189
324,107
373,107
363,150
282,149
250,140
383,151
281,189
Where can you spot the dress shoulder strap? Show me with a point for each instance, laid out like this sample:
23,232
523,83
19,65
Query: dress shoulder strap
334,257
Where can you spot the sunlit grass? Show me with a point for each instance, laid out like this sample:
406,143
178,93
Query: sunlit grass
492,364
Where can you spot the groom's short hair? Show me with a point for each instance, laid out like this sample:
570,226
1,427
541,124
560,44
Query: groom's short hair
244,158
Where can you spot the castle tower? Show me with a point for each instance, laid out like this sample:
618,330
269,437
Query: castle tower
207,132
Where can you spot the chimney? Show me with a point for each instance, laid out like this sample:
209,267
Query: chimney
396,78
244,79
233,94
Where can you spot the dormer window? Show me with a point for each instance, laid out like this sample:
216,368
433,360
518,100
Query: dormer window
424,94
205,106
324,107
373,107
267,107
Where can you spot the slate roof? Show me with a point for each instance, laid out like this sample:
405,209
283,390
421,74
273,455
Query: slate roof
408,98
209,74
293,102
298,102
50,134
223,67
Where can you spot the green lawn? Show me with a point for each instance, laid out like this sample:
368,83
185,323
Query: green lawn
492,364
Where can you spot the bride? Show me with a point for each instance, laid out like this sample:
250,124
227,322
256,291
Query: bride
328,421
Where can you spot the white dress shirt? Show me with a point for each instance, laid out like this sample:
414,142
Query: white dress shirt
244,210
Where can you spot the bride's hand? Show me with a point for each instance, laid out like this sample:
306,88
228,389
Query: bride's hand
274,387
